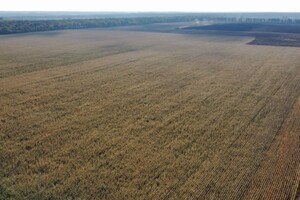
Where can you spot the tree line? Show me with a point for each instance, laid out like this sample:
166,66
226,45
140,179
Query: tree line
24,26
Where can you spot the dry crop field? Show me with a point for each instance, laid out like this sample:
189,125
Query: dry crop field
99,114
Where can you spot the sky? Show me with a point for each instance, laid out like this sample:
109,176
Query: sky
153,5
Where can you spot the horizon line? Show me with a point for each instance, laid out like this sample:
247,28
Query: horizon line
196,12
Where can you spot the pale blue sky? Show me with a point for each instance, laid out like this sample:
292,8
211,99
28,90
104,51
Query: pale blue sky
153,5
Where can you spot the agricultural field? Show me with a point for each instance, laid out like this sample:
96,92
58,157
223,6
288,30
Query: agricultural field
116,114
273,34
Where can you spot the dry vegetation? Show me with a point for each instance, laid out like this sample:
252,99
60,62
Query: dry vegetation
94,114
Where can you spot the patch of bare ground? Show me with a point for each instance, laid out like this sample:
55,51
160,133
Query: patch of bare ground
272,39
